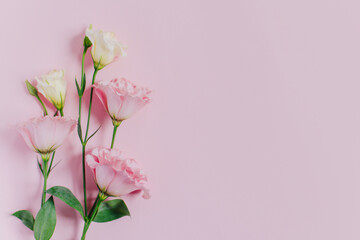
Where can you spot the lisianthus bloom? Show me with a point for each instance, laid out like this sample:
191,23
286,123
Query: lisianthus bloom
105,47
114,175
121,98
53,86
44,135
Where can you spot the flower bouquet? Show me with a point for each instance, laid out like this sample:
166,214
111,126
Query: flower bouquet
114,175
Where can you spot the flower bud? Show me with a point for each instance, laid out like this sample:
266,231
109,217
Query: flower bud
53,86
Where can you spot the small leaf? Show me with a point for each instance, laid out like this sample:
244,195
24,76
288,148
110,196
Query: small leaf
77,87
50,169
67,197
79,130
41,169
93,133
26,217
111,210
51,163
87,43
32,90
83,84
45,221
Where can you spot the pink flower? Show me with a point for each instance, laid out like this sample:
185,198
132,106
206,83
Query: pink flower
114,175
121,98
44,135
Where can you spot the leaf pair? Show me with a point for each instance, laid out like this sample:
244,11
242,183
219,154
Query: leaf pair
108,210
81,89
45,222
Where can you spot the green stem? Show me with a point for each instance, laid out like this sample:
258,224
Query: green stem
61,112
82,142
84,178
45,173
113,136
90,103
100,198
79,119
43,105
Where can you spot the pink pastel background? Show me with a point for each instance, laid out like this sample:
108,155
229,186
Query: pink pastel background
254,128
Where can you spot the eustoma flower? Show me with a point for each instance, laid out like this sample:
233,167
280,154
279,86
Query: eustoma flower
114,175
44,135
53,86
121,98
106,48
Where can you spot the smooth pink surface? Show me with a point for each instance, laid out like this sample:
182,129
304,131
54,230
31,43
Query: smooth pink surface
253,134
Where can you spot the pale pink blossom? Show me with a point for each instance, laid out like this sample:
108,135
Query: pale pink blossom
45,134
121,98
115,175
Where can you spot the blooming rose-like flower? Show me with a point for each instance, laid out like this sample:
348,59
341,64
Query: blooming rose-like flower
44,135
114,175
106,48
53,86
121,98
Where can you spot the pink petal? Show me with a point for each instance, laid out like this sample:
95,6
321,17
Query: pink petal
104,174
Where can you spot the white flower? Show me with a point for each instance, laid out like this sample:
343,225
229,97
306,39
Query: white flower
105,47
53,87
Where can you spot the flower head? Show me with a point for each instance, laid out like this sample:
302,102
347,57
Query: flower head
121,98
44,135
53,86
114,175
106,48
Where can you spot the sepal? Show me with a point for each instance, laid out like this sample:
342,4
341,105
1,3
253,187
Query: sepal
87,43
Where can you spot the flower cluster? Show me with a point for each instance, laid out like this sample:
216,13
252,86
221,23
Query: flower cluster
115,175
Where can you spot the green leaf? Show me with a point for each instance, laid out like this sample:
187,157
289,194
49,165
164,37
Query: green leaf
45,221
77,86
87,43
83,84
79,130
67,197
26,217
111,210
32,90
41,169
93,133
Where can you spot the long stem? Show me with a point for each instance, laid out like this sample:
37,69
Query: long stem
79,119
61,112
81,139
100,198
84,142
84,177
90,104
45,173
113,136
